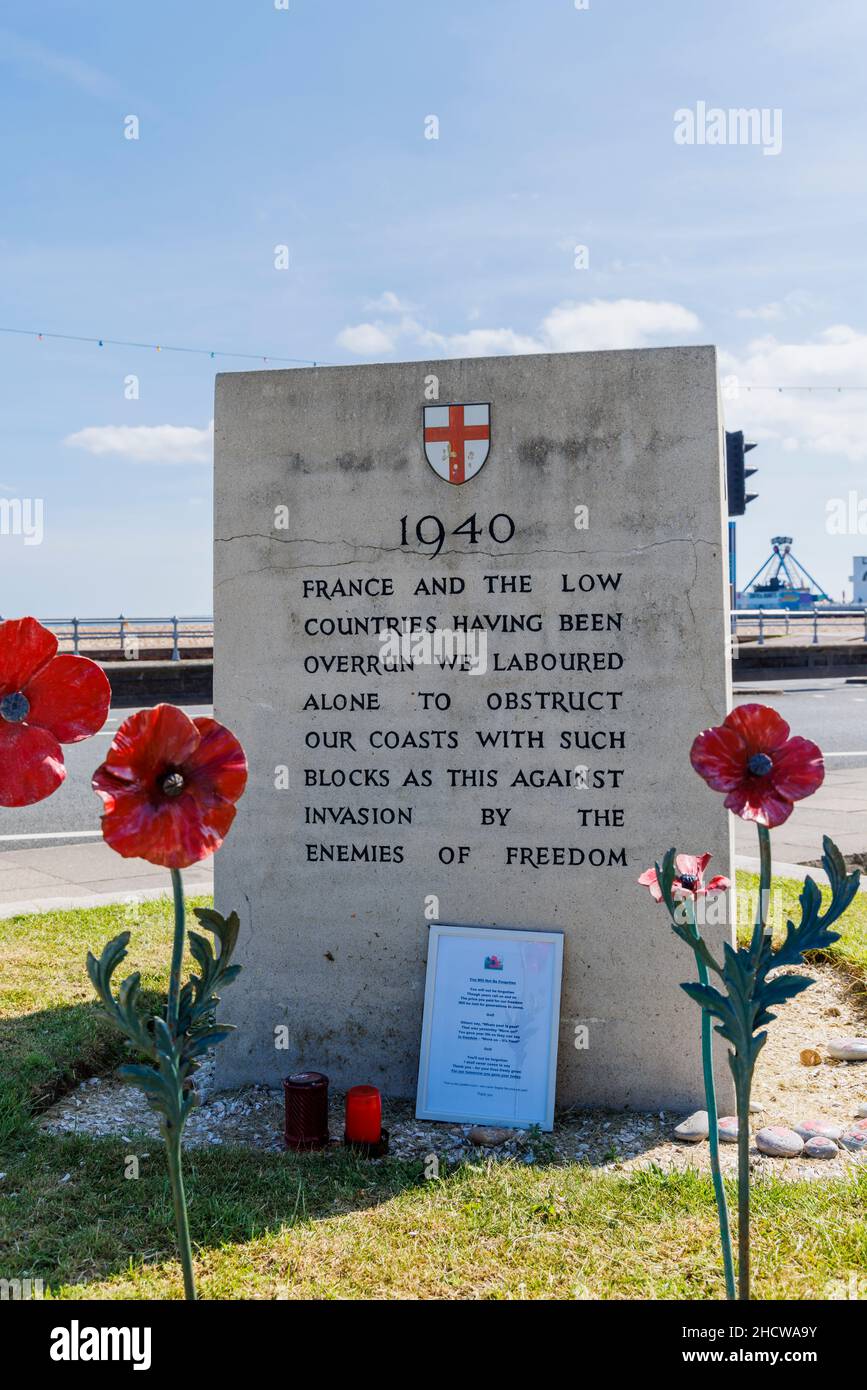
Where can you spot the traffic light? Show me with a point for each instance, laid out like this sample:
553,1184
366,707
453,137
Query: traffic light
737,473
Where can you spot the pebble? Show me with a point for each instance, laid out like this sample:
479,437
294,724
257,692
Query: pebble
811,1058
862,1111
488,1137
728,1129
779,1142
757,1107
694,1128
812,1129
848,1049
820,1147
855,1140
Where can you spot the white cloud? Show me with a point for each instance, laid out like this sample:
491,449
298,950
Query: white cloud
763,311
794,303
389,303
367,339
568,327
825,421
29,53
615,323
480,342
147,443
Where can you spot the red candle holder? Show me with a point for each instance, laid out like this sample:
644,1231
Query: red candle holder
363,1130
305,1099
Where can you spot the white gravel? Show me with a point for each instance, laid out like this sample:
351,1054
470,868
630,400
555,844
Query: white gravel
606,1140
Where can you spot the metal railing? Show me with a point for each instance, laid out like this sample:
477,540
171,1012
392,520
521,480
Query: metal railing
841,623
130,634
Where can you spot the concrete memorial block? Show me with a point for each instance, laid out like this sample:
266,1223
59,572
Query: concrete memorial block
560,515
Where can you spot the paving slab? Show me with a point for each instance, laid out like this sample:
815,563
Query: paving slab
838,809
52,878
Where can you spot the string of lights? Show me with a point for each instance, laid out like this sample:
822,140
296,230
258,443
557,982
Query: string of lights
160,347
804,388
269,358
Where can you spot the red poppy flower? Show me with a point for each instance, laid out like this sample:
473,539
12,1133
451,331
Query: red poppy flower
689,879
751,757
169,785
45,700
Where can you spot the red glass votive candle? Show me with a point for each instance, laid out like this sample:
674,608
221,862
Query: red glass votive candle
363,1115
305,1097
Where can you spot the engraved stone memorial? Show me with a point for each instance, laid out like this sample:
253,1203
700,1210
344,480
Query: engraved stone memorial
469,617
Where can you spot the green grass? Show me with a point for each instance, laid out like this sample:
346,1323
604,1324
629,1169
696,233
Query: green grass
312,1226
274,1226
52,1032
850,951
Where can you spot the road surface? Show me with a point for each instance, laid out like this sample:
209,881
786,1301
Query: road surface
831,713
72,814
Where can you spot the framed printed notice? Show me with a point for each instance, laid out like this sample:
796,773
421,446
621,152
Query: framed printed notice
490,1028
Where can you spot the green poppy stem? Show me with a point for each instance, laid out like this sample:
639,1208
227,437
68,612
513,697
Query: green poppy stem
176,1178
744,1076
172,1135
713,1119
177,952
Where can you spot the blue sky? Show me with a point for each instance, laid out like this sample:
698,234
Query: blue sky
305,126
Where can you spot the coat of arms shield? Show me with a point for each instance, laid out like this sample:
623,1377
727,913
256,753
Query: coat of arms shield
457,440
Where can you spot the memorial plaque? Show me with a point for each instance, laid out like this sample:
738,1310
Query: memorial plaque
469,617
491,1026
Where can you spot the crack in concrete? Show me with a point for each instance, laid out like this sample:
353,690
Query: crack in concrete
421,554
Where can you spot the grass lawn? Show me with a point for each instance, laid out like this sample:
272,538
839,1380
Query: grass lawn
273,1225
850,952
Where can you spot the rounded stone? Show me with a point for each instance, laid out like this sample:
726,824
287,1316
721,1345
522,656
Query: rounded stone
488,1137
694,1128
820,1147
824,1129
728,1129
779,1142
848,1049
811,1058
862,1111
855,1140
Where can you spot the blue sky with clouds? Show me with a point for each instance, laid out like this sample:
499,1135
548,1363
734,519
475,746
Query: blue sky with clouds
305,126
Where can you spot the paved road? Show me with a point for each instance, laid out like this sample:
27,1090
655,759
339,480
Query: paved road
832,713
71,815
53,855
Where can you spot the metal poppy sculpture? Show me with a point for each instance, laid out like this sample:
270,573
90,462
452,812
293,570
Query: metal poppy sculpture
45,700
169,787
763,772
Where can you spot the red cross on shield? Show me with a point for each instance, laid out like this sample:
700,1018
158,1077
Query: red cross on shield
457,440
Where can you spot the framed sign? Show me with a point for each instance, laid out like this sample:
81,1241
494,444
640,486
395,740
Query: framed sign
491,1025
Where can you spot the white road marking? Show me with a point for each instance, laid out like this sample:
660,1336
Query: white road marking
57,835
